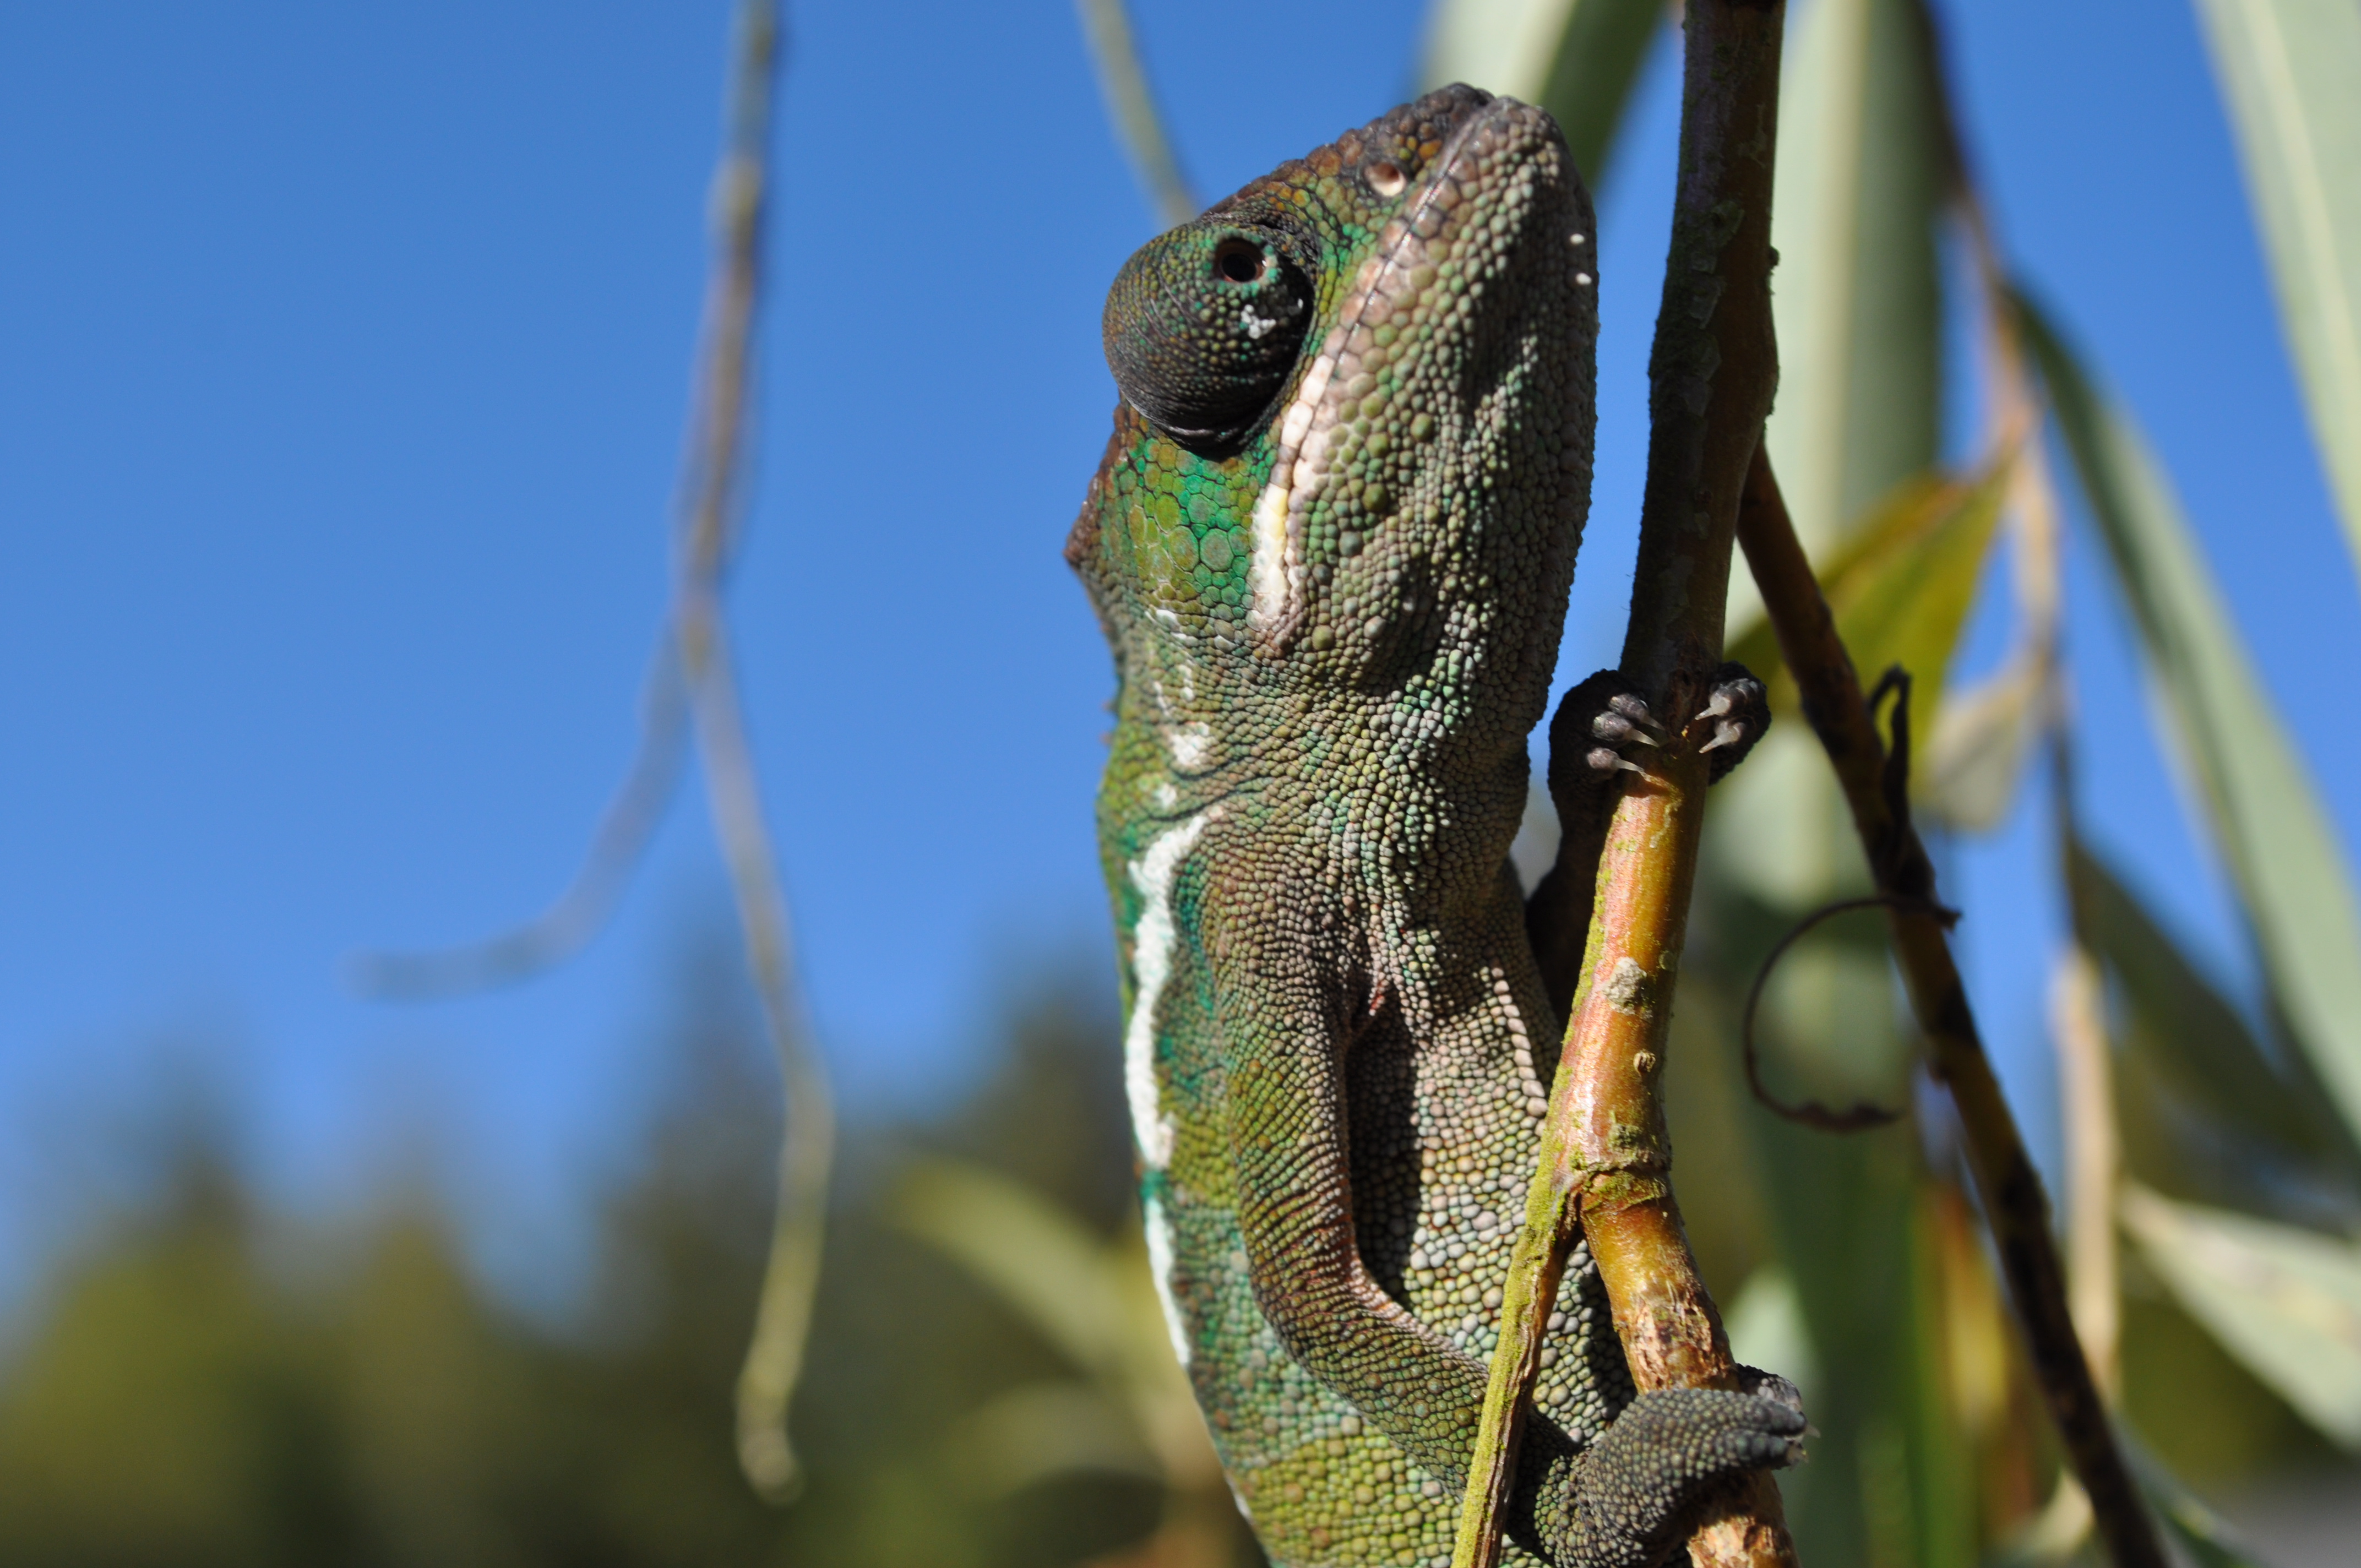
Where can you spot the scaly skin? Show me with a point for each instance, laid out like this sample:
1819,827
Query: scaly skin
1331,544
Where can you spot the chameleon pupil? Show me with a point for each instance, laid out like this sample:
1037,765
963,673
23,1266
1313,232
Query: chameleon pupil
1240,263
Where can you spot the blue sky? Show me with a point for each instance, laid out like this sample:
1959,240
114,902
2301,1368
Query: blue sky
343,362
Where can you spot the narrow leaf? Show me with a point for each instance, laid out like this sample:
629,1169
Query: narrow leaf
2186,1029
1577,58
1901,586
1036,1432
1967,769
2292,72
1041,1262
2208,1538
2286,1302
1862,175
2281,850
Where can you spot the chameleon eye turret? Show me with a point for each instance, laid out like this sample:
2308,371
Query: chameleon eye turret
1202,327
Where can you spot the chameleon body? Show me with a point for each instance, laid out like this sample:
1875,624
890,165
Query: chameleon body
1331,544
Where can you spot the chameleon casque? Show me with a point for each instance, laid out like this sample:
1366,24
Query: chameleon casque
1331,544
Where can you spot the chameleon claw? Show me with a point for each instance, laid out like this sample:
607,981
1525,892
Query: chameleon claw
1607,762
1616,729
1633,711
1724,734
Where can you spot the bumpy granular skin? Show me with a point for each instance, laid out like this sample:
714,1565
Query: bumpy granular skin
1330,547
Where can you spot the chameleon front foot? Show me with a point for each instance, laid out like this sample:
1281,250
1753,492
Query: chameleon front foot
1636,1488
1739,711
1602,730
1602,720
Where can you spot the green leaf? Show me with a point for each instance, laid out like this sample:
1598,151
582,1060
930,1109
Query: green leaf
1864,172
2282,851
1043,1263
2206,1536
1900,586
1577,58
2181,1025
1036,1431
1091,1298
2292,72
2287,1303
1969,766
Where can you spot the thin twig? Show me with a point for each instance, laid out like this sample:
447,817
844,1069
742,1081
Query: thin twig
1604,1154
2010,1187
1131,104
580,912
713,496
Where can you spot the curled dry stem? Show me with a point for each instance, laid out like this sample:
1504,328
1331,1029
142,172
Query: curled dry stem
1604,1159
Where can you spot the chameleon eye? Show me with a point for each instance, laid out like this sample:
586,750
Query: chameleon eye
1203,328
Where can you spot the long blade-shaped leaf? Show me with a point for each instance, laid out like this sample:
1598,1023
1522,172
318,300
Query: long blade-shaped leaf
2287,1303
2281,850
1577,58
2208,1539
1900,586
1863,174
1041,1261
2291,71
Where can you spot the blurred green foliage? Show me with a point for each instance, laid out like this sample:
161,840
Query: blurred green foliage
208,1384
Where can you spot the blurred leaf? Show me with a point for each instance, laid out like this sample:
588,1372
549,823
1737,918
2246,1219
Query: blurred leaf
2182,1025
1577,58
1901,587
1863,170
2281,850
1132,109
2205,1535
2287,1303
1044,1264
1968,768
1036,1430
1091,1298
1765,1321
2292,72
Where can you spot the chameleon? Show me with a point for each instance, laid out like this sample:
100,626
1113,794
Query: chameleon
1330,542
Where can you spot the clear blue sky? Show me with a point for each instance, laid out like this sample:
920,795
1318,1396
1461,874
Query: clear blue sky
343,360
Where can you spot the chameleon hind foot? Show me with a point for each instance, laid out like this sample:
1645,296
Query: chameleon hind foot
1635,1488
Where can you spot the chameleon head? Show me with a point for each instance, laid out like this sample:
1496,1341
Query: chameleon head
1356,439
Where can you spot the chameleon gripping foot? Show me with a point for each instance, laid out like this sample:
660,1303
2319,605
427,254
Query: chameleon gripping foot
1635,1489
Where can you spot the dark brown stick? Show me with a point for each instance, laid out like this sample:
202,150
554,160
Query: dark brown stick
2014,1202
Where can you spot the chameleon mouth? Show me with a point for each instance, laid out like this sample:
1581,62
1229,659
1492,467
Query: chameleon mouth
1490,150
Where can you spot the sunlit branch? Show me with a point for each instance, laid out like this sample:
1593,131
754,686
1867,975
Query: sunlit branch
1604,1158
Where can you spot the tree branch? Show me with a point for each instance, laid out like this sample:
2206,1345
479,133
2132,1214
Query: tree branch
1605,1158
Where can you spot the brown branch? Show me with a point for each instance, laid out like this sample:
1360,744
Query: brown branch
2010,1189
1604,1153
